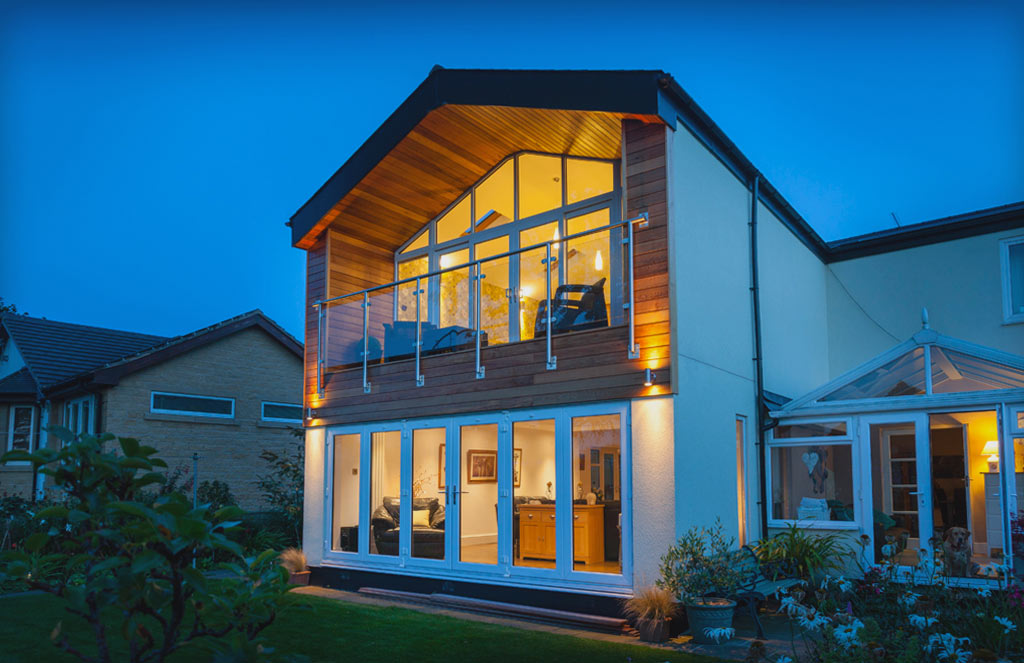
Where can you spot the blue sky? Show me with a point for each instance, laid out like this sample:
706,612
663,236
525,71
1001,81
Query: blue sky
149,157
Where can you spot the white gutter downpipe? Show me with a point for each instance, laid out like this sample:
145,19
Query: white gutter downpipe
44,422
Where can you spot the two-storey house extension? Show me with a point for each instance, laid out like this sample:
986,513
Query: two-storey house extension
555,318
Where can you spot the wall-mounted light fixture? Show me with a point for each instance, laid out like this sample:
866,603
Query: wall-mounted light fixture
649,377
992,451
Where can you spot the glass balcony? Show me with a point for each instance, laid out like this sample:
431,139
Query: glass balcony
572,274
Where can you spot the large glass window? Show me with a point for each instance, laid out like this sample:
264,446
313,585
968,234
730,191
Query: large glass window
494,289
812,482
385,496
588,268
190,404
21,428
428,489
534,491
477,496
495,199
455,299
345,507
533,276
597,509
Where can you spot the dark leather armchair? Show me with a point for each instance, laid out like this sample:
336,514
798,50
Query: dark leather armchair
426,541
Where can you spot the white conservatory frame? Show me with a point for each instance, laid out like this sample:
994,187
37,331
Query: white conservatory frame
861,413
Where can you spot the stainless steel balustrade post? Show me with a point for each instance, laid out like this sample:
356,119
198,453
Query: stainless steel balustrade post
419,336
552,361
479,279
319,349
366,340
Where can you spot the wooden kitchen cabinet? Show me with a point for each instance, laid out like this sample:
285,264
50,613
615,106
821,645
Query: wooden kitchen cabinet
537,525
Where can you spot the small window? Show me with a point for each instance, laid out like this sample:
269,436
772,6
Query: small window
812,482
281,412
198,406
1012,258
21,428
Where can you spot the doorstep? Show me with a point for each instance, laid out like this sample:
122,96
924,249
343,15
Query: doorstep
735,650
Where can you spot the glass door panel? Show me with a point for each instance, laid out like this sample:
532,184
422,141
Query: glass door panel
385,496
900,519
476,496
494,291
533,279
428,492
345,493
588,269
597,509
534,493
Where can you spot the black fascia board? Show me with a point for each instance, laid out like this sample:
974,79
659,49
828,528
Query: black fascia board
634,92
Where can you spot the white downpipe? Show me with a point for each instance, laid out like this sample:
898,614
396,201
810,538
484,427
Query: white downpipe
44,422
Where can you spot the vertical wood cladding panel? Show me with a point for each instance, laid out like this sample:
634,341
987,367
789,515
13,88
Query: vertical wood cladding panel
316,288
592,365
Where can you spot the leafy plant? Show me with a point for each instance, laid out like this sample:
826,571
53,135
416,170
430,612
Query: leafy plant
650,603
216,494
123,555
798,553
283,487
702,562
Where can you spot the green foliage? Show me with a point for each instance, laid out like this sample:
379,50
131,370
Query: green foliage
799,553
216,494
282,487
702,562
135,557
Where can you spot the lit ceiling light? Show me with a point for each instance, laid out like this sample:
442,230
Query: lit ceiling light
598,262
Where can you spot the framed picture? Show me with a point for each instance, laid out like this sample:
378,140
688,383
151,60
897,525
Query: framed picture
481,466
517,467
440,467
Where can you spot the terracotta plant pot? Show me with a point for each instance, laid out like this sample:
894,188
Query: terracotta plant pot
299,578
653,630
709,613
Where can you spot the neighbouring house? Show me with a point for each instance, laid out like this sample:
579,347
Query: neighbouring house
225,392
556,318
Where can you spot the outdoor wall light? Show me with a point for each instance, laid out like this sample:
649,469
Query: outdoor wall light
649,377
992,451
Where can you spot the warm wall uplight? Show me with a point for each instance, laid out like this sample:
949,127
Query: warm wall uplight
649,377
992,451
598,262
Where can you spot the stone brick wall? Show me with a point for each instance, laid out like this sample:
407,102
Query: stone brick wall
248,366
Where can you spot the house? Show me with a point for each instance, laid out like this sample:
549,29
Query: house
556,318
225,392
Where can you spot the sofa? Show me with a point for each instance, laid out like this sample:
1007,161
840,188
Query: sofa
427,530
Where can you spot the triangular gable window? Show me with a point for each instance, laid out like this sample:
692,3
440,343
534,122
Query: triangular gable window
903,376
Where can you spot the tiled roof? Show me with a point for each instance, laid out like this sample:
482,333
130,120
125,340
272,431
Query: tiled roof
55,351
18,383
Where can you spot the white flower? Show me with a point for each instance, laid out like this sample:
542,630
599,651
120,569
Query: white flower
1006,624
846,634
790,606
908,599
783,659
719,634
921,623
984,592
946,647
812,620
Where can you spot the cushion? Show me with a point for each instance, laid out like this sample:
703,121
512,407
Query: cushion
421,518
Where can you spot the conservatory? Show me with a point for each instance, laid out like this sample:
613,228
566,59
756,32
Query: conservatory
920,449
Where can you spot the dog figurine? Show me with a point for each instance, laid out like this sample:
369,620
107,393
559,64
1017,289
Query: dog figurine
956,548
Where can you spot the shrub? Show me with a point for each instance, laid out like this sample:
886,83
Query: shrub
650,603
798,553
282,486
216,494
293,559
122,555
702,562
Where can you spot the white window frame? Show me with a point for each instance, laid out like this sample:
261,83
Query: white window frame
264,417
77,403
833,440
190,413
1009,316
31,432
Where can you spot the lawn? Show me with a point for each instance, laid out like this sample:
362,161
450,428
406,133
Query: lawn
326,630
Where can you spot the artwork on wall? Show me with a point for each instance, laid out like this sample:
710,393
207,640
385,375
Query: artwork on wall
440,467
517,467
482,466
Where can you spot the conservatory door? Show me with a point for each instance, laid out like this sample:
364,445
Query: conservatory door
898,516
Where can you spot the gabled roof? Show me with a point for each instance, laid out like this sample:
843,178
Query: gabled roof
927,365
19,385
59,356
55,351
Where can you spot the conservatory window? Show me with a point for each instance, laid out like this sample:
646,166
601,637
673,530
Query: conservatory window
954,372
813,429
812,482
903,376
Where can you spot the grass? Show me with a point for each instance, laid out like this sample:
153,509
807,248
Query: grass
326,630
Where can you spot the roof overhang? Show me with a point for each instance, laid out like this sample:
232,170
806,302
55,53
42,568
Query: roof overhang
458,124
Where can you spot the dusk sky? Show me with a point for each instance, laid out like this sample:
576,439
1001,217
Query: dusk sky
149,158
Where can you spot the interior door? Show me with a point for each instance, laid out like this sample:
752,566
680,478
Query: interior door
898,516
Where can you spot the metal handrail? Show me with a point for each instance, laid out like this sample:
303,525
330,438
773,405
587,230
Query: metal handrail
475,273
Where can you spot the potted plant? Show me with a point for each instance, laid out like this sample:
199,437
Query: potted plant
651,610
294,560
701,570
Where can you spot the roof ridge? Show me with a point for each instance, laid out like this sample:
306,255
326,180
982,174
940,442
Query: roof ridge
10,316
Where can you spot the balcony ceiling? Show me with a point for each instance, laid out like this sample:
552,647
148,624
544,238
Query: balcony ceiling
455,127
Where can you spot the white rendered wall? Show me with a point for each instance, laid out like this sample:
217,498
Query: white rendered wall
313,498
712,363
653,485
875,302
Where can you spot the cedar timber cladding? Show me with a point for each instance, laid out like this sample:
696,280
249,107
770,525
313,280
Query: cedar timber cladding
592,365
316,289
